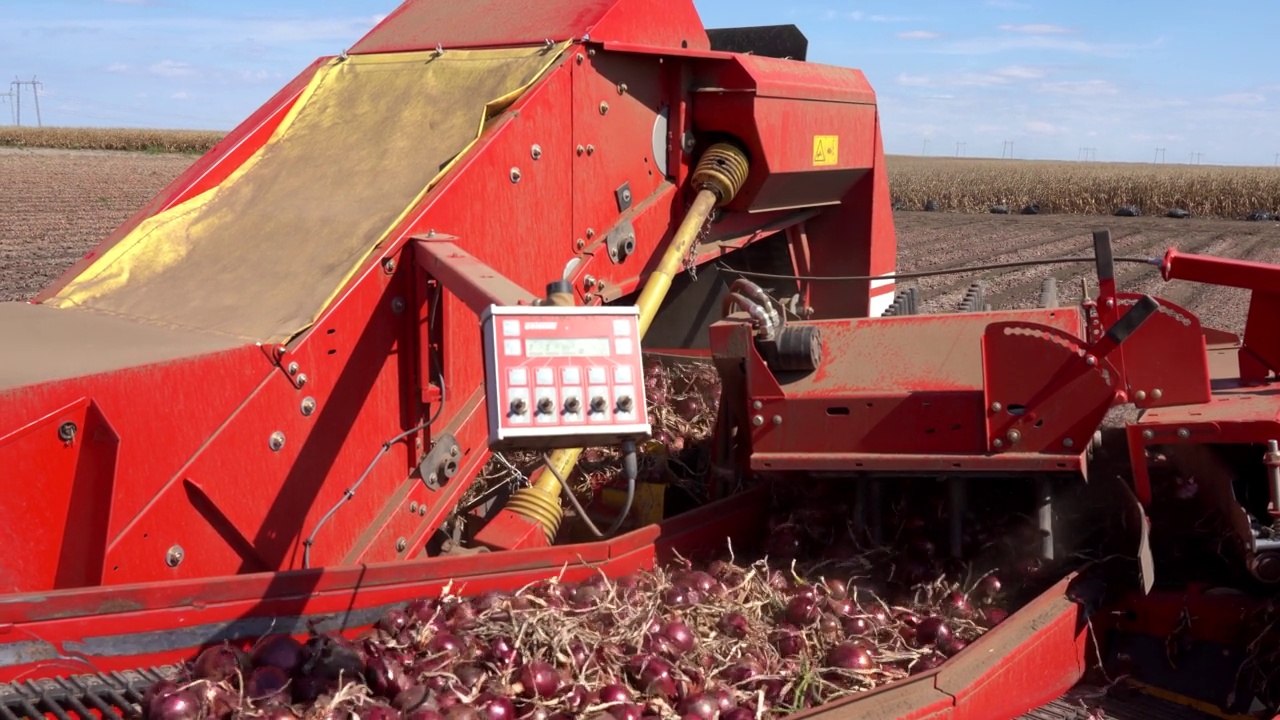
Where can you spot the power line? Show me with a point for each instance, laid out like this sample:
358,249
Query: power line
1008,147
1159,155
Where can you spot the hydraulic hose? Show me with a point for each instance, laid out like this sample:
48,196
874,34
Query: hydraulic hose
719,176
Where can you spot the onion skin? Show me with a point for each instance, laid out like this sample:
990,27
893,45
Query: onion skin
281,651
174,705
219,663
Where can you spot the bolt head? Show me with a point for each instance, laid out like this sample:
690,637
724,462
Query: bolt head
301,379
757,421
591,149
1156,394
1068,442
757,405
777,419
997,443
276,441
996,407
515,175
173,558
626,196
535,152
67,432
1013,436
308,406
413,507
604,108
1184,433
293,368
389,265
1140,395
397,305
401,544
1148,435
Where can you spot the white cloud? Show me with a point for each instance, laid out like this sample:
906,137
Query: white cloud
1038,29
919,35
171,68
1021,72
1040,127
1243,98
907,80
1084,88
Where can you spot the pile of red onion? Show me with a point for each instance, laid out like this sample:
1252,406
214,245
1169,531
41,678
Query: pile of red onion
813,615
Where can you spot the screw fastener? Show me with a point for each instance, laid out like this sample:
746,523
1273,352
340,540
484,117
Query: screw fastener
308,406
173,558
401,544
276,441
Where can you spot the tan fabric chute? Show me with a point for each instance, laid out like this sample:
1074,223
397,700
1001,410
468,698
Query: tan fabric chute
260,256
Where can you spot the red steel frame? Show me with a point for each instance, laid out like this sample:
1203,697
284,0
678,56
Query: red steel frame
398,345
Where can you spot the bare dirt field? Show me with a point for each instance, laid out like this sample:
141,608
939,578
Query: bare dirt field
58,204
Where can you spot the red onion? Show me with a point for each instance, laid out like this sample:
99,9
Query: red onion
737,713
410,699
652,674
279,713
699,706
386,677
932,630
734,625
615,693
784,543
331,656
495,707
951,646
280,651
424,714
801,611
989,586
788,640
394,621
689,408
174,705
850,656
445,643
267,685
837,590
857,625
927,663
630,711
993,616
219,663
957,604
539,679
503,653
461,711
680,636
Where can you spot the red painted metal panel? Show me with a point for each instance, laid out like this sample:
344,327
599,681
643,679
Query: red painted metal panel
161,413
424,24
210,170
1164,362
1040,393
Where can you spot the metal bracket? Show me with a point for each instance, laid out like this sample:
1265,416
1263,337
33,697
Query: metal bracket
621,241
623,196
440,464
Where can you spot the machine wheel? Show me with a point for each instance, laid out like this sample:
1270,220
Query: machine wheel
1049,292
974,299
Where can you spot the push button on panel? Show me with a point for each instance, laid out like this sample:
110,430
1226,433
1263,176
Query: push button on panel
518,376
597,375
546,376
571,375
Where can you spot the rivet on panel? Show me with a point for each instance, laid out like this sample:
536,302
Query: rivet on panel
173,558
757,405
757,421
777,419
536,152
996,407
591,149
1156,394
591,232
579,243
301,379
1013,436
1140,395
1148,435
1068,442
276,441
579,58
401,544
1184,433
588,282
308,405
997,443
422,510
622,88
515,175
581,149
293,368
591,52
604,108
413,508
397,305
389,265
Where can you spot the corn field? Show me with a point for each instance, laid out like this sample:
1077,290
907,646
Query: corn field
974,186
952,184
137,139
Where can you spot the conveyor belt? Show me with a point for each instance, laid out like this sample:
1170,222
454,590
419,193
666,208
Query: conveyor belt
109,696
1081,701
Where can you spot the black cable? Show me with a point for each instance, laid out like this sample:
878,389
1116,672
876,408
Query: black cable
386,446
935,273
632,472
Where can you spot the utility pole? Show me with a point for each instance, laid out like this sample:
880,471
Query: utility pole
35,94
1008,147
925,150
1159,154
960,146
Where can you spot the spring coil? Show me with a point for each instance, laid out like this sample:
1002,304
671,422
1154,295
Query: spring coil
722,170
538,506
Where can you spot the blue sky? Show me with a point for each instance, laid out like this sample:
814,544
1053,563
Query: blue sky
1052,77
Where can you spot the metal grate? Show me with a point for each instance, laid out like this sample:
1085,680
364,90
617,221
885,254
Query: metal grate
1089,703
111,696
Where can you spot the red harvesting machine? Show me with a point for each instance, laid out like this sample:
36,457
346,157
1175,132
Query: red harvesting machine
262,403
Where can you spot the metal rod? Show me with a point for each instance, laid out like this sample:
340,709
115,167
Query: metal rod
1044,514
1272,461
956,493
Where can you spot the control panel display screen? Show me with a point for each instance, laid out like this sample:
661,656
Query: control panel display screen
566,347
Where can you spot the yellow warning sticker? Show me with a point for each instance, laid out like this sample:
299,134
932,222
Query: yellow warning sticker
826,150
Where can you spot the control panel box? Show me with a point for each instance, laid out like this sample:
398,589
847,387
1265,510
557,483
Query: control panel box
563,377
